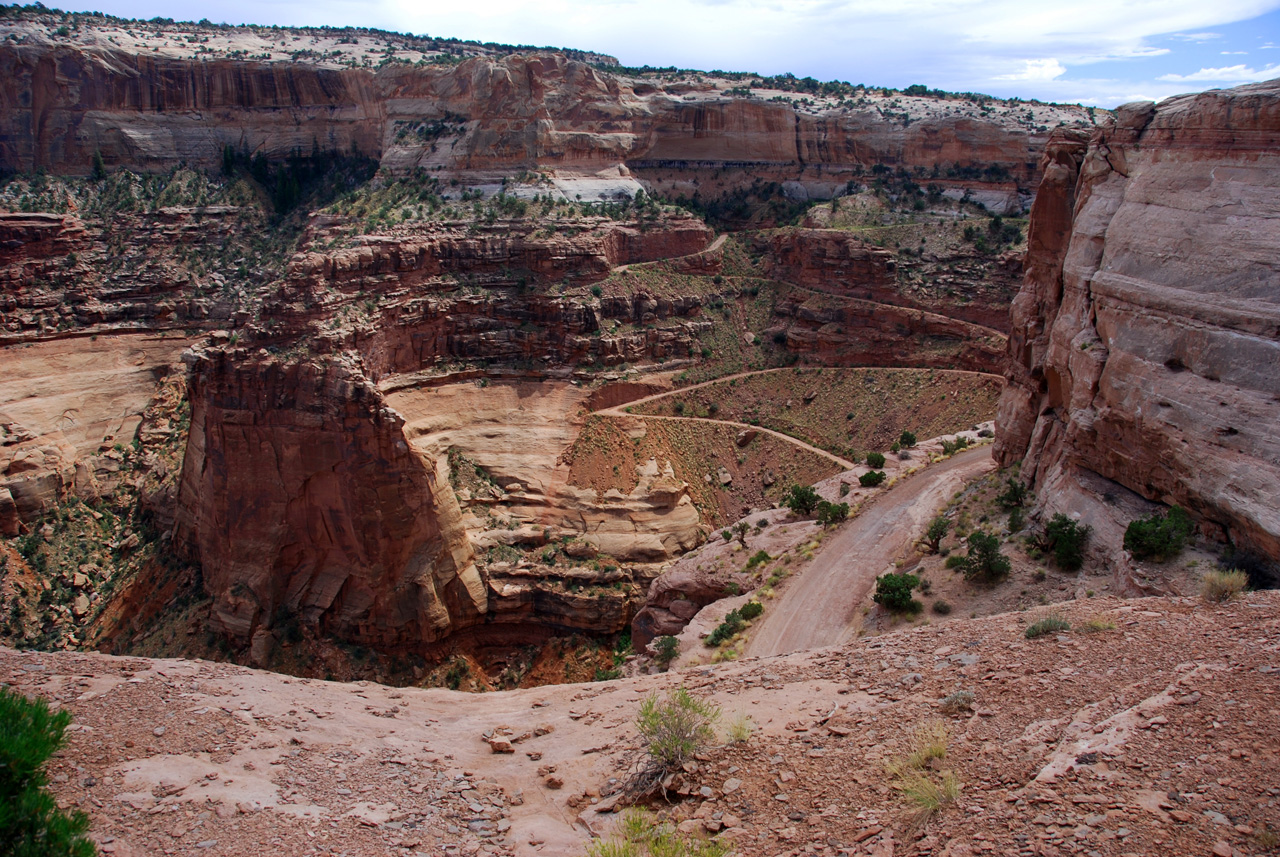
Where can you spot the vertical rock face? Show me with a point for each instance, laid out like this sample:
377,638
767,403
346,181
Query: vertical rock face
60,103
1146,339
300,496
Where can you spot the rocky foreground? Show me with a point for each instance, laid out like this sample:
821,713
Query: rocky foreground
1149,727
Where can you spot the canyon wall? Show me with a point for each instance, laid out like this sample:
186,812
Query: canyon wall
63,102
301,496
1146,338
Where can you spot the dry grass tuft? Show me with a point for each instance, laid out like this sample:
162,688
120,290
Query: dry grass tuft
1219,587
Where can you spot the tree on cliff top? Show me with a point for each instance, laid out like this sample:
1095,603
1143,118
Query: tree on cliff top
31,825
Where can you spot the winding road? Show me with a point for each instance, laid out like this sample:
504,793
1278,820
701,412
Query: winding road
820,607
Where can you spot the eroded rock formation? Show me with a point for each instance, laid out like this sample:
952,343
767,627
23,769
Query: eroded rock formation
63,102
1145,341
301,496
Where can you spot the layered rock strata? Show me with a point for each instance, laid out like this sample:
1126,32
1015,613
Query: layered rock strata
63,102
1146,338
300,496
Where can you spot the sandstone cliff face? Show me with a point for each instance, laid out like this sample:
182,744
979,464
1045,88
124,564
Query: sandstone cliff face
61,103
851,309
59,274
1146,338
300,495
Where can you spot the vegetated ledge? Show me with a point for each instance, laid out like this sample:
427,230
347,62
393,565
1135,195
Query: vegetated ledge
1142,728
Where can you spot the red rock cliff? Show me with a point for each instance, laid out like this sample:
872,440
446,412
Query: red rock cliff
1146,339
300,496
59,103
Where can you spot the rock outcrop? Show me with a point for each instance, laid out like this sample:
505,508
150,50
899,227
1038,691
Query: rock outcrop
300,496
63,101
1145,339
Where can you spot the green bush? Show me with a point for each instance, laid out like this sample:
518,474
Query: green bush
668,648
832,513
1047,625
31,825
1015,494
955,561
893,592
732,624
985,562
1159,537
734,621
936,532
675,728
906,439
1066,539
942,607
951,447
871,478
1017,520
758,558
801,499
875,460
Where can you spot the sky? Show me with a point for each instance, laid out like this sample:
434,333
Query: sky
1088,51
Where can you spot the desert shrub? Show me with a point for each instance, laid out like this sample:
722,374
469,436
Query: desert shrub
801,499
734,621
936,532
926,794
1016,520
832,513
906,439
871,478
673,729
31,825
942,607
458,670
956,703
1158,536
875,460
758,558
1051,624
951,447
985,562
1015,494
1095,624
640,835
667,648
955,561
1066,539
740,729
1221,586
893,592
732,624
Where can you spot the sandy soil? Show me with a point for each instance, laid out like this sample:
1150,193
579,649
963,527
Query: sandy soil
1156,734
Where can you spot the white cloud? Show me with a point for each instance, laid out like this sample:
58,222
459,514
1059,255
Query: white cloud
1228,74
1233,53
1046,69
1196,37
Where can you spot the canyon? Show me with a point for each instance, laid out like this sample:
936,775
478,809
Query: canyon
344,371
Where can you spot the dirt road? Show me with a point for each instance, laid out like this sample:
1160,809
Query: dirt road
819,608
